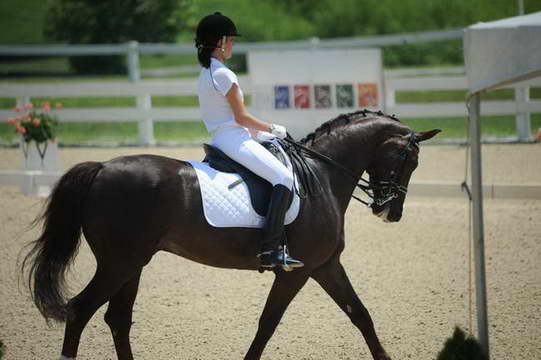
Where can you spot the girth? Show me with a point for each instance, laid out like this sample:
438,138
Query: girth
259,188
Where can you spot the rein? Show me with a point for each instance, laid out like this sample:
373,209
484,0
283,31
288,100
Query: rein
389,190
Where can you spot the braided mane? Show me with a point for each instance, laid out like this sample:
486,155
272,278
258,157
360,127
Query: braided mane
343,119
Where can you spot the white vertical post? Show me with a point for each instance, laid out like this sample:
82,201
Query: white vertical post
390,97
133,61
146,124
522,118
478,226
521,7
23,100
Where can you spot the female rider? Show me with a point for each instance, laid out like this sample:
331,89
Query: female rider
222,107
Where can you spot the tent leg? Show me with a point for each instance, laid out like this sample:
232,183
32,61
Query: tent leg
478,231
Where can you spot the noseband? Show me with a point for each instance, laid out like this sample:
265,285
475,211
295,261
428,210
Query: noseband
388,190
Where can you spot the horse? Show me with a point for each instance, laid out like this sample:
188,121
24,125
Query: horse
131,207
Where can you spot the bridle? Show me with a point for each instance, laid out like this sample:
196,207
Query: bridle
391,189
387,190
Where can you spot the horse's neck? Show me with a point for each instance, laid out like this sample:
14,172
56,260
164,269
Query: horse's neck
351,151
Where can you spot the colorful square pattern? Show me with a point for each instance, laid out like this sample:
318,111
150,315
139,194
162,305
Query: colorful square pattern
302,96
344,97
281,97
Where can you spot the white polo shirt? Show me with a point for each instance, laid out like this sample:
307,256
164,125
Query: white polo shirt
213,85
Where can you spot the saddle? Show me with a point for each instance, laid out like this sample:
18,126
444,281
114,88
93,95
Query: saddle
260,189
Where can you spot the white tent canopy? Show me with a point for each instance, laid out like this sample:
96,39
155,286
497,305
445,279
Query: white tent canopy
496,53
503,52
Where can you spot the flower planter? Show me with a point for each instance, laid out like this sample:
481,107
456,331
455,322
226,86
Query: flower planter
39,149
38,159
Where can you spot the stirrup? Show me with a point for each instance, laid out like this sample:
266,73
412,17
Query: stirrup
279,257
288,263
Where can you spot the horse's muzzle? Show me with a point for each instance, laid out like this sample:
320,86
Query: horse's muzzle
387,214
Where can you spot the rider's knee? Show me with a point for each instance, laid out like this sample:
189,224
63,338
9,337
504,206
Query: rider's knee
285,178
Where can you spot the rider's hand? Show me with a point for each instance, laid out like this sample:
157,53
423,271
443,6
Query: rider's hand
278,130
263,136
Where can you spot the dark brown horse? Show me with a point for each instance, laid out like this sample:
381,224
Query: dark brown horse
131,207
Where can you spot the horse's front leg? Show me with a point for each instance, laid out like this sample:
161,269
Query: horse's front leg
284,289
334,280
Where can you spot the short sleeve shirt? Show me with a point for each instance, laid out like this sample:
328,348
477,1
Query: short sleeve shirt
213,85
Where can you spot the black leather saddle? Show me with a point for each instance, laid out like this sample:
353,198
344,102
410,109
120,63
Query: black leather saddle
259,188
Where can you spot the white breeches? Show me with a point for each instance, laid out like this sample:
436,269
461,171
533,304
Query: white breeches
238,144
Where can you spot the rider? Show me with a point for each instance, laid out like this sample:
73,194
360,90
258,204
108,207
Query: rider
222,107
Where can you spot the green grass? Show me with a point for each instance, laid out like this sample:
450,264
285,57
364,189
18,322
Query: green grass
457,95
159,61
101,102
97,102
491,126
56,66
46,64
194,131
115,132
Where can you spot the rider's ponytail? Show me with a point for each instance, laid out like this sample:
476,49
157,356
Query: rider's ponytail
204,51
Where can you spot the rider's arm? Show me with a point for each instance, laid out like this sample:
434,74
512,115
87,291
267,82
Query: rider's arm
242,116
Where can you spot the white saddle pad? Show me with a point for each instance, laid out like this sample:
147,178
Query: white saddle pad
224,207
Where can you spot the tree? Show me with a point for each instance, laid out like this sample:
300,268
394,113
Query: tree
112,22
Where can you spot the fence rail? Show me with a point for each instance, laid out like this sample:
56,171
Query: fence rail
145,113
134,49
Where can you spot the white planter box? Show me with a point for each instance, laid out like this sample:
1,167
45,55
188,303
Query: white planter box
37,160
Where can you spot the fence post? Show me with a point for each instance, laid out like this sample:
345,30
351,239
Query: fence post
145,125
23,100
390,96
133,61
522,119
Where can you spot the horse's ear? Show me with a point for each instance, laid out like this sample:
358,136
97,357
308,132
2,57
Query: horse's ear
425,135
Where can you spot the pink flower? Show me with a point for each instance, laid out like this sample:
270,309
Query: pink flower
36,122
20,129
11,120
18,108
46,106
29,106
59,106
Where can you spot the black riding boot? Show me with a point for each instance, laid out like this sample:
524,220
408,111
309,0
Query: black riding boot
272,254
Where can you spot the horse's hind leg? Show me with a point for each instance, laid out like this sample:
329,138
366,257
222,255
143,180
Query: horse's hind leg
284,289
119,316
99,290
334,280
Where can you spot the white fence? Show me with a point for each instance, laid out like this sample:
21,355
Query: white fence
521,107
145,113
132,49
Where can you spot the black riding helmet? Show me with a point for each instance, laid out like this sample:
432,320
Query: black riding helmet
213,27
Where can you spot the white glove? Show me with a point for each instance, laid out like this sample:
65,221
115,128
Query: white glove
279,131
263,136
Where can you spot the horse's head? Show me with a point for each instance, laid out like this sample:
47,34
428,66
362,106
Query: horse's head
390,172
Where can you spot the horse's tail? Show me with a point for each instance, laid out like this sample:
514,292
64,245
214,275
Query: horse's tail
55,249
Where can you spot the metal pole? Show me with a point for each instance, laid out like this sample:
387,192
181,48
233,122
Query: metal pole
133,61
478,228
523,119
